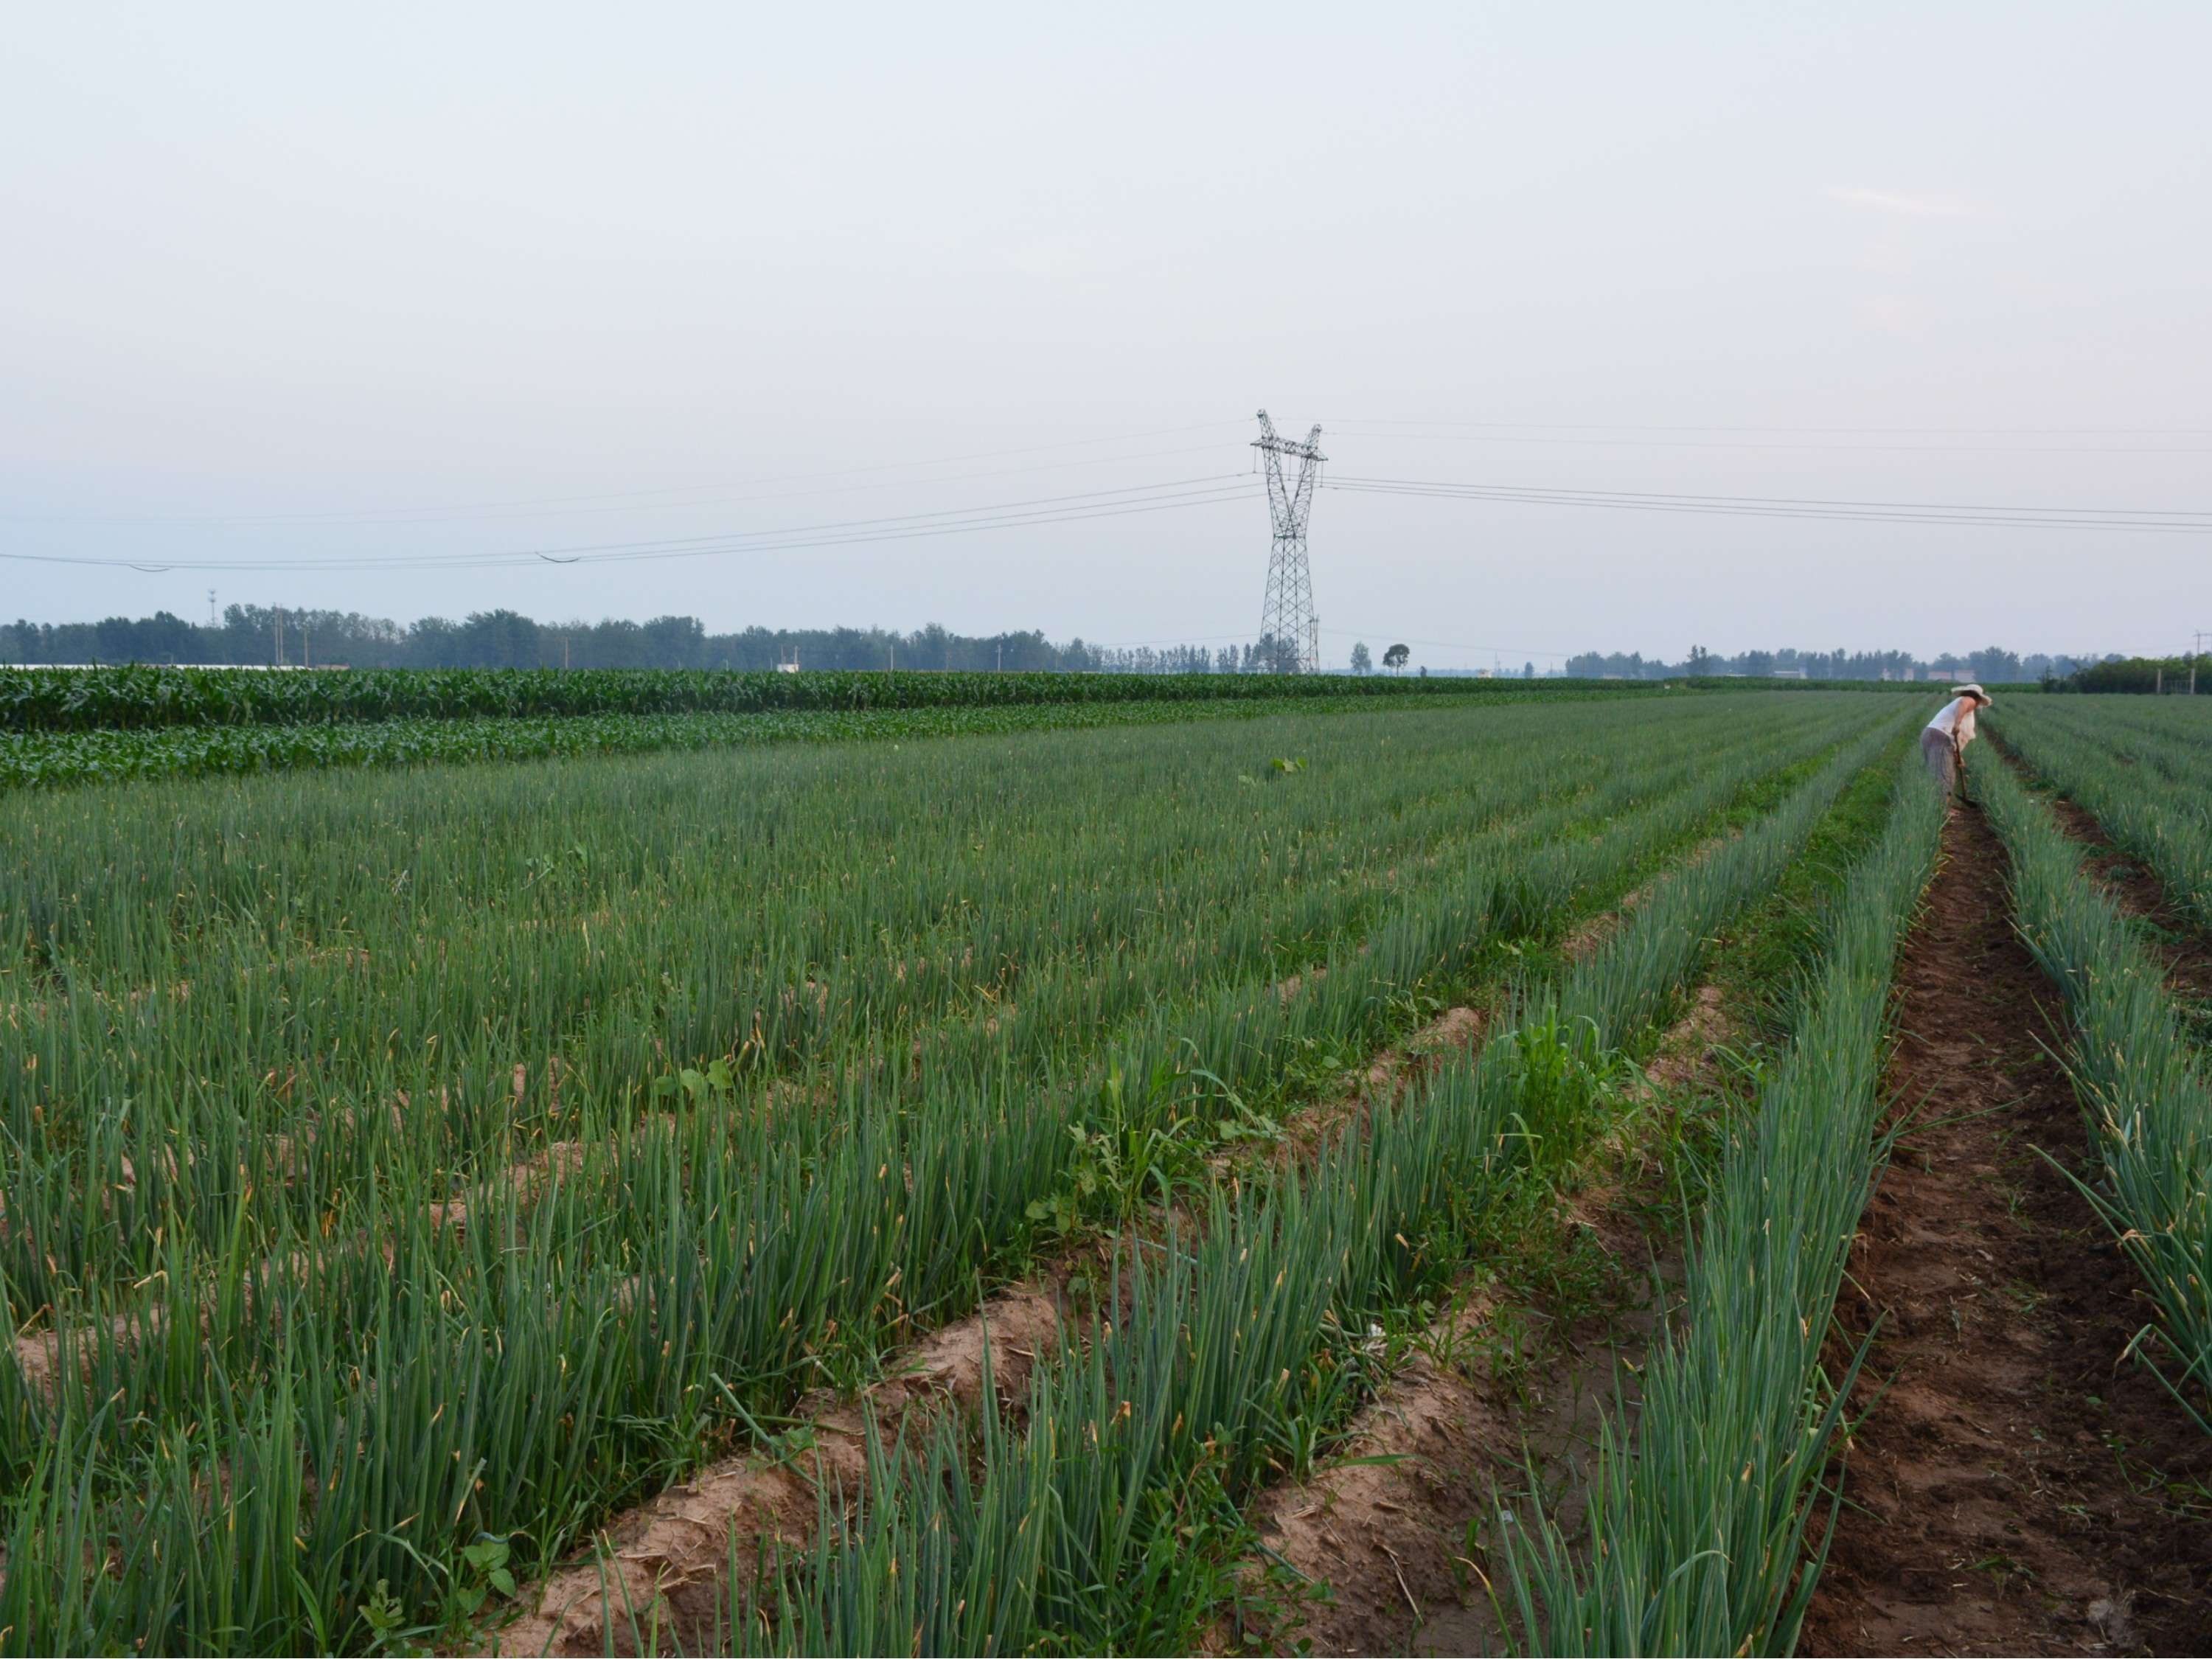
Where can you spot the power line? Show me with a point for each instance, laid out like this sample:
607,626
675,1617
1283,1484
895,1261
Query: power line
631,499
1061,510
1290,505
2135,520
1013,514
1830,431
1547,439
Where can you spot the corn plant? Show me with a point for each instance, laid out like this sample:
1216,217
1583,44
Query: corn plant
49,757
140,697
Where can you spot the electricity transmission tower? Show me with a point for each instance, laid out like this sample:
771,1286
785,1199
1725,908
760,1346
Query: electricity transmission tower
1290,632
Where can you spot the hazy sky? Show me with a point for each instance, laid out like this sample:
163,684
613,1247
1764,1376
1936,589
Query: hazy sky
446,283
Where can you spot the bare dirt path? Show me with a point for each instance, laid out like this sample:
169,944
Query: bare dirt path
2016,1488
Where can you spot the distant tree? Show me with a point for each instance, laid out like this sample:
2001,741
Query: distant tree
931,646
2137,674
1527,670
497,639
1395,657
1591,666
1700,662
1361,662
1996,666
432,642
675,641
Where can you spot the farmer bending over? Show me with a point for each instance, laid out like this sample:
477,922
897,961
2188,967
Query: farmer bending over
1944,740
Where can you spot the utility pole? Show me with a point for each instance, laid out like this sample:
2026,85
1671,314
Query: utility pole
1288,622
2193,656
211,607
278,625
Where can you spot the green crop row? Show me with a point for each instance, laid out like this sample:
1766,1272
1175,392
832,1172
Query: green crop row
1220,1358
799,1233
2170,737
2143,1088
805,1031
284,960
140,698
1239,1341
2145,777
54,758
1695,1516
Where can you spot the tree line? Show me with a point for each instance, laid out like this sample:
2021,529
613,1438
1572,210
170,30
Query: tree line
1992,666
263,635
2150,676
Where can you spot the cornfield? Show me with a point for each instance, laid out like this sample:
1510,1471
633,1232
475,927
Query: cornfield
142,698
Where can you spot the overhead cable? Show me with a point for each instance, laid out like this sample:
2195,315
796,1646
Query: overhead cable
1056,509
2161,520
674,496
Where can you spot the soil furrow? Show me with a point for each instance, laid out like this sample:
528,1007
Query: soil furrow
2138,892
670,1561
1388,1524
669,1567
2016,1485
665,1572
2132,885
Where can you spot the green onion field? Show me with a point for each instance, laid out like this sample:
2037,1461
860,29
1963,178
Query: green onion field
932,1163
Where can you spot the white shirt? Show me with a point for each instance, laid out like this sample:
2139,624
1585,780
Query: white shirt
1955,719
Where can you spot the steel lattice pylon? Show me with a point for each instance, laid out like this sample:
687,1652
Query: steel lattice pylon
1290,630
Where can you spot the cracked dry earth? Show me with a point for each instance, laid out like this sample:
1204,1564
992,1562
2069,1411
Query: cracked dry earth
2016,1485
